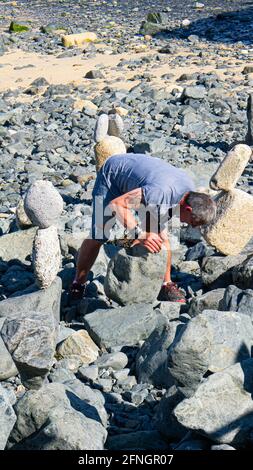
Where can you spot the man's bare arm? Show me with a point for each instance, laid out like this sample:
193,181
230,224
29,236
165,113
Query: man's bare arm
122,206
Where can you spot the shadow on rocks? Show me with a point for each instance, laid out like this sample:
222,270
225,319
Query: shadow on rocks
228,27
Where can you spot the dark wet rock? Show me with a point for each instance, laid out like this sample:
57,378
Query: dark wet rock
140,440
163,419
152,359
93,74
217,270
212,300
238,300
198,251
243,274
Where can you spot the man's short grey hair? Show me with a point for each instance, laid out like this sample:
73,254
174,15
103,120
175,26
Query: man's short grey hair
203,207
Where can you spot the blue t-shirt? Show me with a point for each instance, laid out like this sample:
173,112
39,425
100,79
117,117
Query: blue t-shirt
162,183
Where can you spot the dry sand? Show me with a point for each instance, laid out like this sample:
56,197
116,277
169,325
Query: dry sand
73,69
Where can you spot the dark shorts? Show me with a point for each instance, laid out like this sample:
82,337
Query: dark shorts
102,219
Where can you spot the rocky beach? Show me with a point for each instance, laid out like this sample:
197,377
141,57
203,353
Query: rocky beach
120,370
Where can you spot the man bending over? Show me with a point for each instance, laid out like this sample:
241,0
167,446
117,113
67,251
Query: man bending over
133,182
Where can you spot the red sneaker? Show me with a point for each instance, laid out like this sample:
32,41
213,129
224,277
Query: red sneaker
171,293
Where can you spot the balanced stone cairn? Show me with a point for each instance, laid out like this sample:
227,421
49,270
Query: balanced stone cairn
107,135
233,225
43,205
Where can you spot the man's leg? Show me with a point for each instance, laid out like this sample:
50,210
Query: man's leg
169,291
167,275
86,258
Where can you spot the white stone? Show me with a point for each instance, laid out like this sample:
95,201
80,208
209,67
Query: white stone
101,128
231,168
233,225
43,204
108,147
46,256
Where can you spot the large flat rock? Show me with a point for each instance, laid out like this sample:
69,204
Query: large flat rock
121,326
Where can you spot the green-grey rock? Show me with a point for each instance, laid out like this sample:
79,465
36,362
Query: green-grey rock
155,17
149,28
51,28
18,27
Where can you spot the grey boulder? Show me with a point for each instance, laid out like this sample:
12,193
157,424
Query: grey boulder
33,299
222,406
135,276
194,92
115,360
46,420
7,366
217,270
238,300
31,340
212,300
152,359
87,400
210,342
67,430
7,418
243,274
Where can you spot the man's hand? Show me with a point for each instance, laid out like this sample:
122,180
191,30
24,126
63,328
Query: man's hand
151,240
